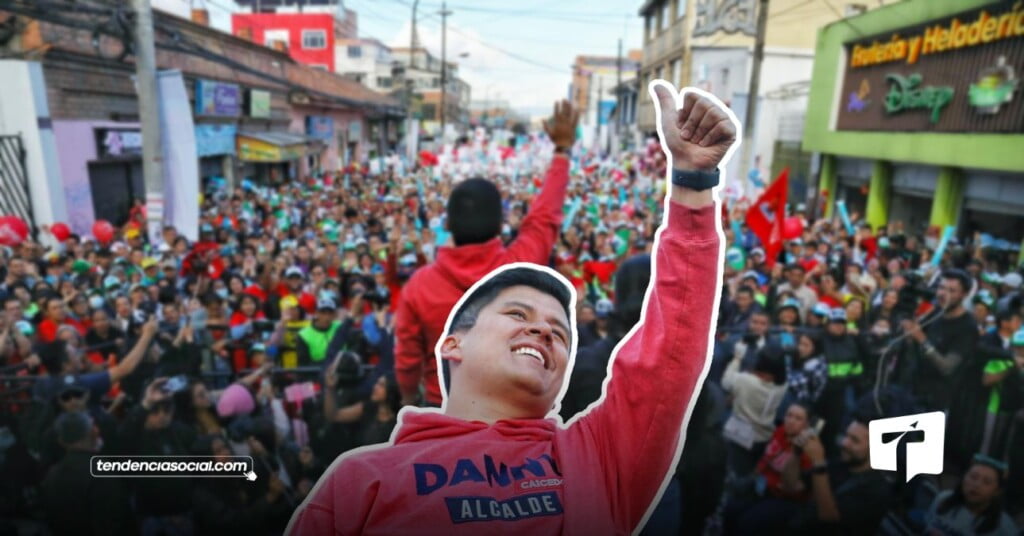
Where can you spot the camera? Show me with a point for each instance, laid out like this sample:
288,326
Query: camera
913,293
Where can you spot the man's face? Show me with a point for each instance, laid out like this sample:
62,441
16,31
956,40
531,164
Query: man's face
744,300
495,354
836,329
14,311
950,293
795,277
587,315
323,318
16,268
124,307
758,325
171,314
295,283
55,310
854,449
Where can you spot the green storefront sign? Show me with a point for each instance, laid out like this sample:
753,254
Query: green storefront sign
907,93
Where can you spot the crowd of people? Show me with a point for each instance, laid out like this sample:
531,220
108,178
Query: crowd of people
305,316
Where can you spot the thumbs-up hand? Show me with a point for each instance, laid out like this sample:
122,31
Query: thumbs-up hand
695,130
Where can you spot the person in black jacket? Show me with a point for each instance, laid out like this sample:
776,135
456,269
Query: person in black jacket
226,506
162,504
74,501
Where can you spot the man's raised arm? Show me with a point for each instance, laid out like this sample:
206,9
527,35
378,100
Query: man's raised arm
540,227
656,369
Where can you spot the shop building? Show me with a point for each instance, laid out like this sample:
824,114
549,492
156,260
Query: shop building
917,112
250,108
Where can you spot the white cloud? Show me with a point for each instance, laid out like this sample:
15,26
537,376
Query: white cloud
491,74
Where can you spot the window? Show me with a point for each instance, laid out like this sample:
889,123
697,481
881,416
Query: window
320,66
383,81
675,72
429,111
314,39
355,51
666,15
681,9
270,36
648,26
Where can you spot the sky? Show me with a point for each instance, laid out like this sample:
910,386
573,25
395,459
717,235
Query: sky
520,51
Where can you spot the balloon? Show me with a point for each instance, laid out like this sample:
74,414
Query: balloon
13,231
60,231
792,227
103,231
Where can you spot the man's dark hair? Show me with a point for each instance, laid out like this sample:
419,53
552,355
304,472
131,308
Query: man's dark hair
72,427
960,276
631,282
745,290
474,212
771,360
1006,315
465,317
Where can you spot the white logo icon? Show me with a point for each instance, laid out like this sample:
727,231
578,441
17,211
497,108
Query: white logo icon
924,436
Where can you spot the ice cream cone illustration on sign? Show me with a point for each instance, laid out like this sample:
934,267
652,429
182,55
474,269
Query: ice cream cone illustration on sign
994,88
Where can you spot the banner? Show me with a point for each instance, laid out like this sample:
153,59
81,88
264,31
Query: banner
181,160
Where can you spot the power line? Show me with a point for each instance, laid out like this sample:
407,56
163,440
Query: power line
844,19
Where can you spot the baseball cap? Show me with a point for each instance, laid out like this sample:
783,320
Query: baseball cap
110,282
131,233
603,308
326,304
289,301
790,302
757,251
1018,338
837,315
258,347
294,271
820,309
1013,280
148,262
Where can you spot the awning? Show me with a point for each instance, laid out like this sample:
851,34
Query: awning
273,146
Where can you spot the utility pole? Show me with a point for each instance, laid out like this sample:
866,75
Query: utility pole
619,108
755,87
444,66
412,36
149,117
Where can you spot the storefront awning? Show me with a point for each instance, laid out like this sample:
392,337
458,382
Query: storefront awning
273,146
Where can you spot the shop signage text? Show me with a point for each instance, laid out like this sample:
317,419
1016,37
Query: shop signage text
218,99
320,127
982,29
259,103
907,93
118,143
954,74
252,150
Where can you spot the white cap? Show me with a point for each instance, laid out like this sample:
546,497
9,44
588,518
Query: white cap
1013,280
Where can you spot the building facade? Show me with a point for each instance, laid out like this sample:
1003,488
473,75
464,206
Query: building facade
422,73
255,113
307,37
594,79
709,44
918,116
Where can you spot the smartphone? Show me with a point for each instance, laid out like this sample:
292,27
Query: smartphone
819,424
175,383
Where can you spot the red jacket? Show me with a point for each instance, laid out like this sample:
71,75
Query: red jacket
433,290
600,474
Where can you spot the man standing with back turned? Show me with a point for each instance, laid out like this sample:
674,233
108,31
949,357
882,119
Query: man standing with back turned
474,217
495,459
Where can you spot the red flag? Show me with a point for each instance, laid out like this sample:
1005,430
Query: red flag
765,217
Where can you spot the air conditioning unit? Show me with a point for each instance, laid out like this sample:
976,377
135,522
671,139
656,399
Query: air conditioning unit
852,10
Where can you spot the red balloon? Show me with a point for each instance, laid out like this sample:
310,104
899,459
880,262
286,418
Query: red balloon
792,227
13,231
103,231
60,231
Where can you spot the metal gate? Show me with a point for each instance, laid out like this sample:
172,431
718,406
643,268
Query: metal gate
14,195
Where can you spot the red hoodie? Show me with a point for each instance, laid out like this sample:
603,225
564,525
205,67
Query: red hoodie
598,475
433,290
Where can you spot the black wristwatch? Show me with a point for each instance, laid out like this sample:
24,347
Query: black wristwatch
698,180
820,469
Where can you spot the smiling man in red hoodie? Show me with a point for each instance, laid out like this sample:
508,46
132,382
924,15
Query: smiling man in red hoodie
495,458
